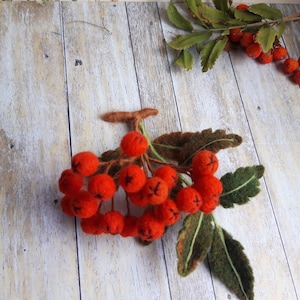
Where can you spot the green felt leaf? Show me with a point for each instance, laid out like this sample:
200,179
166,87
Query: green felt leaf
188,40
241,185
207,139
231,265
265,11
266,37
221,5
245,15
177,19
211,53
194,241
280,29
169,145
185,60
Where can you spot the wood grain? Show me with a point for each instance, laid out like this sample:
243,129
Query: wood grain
65,64
38,246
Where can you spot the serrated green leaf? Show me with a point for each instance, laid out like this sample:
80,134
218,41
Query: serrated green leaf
241,185
266,37
212,16
192,5
211,53
221,5
265,11
177,19
245,15
280,29
231,265
194,241
185,60
188,40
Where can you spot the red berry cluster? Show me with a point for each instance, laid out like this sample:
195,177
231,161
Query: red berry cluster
247,39
157,191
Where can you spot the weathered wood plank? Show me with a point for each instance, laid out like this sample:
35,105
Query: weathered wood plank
213,100
271,101
38,246
111,267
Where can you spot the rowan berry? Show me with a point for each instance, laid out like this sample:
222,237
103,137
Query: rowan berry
188,200
102,186
130,226
247,39
132,178
290,65
296,76
138,198
168,174
210,189
167,212
85,163
84,204
253,50
265,58
242,6
155,190
114,222
70,182
209,206
149,228
66,205
280,53
134,143
204,162
93,225
235,34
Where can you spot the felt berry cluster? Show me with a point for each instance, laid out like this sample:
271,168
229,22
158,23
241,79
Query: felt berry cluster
163,180
257,28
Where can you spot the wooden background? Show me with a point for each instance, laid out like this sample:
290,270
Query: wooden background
59,75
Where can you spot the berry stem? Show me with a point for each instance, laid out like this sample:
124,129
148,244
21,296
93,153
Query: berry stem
293,17
157,155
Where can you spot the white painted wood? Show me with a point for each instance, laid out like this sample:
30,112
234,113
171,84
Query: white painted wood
37,243
58,66
213,99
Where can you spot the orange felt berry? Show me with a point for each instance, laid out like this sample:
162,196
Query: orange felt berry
204,162
265,58
168,174
84,204
280,53
93,224
70,182
130,226
210,188
102,186
296,76
138,198
253,50
188,200
132,178
235,34
209,206
299,60
247,39
290,65
155,190
85,163
134,143
167,212
242,6
114,222
149,228
66,205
